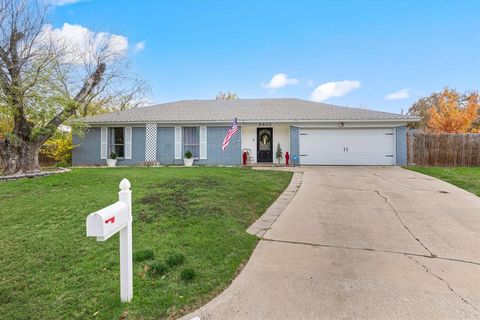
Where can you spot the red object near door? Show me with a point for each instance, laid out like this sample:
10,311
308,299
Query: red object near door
244,158
287,158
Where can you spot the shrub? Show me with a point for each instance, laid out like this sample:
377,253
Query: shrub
143,255
174,259
188,154
59,148
187,275
113,156
156,268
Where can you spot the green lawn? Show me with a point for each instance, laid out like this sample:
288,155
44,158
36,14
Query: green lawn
192,220
465,178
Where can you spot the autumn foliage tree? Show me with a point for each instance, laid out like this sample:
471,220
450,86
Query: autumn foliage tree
420,108
454,114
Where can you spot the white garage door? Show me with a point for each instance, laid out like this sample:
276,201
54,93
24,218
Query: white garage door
347,146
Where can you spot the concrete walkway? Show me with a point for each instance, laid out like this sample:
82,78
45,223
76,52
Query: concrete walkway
363,242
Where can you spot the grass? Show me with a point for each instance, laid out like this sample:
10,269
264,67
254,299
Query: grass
156,268
142,255
463,177
189,231
174,259
187,275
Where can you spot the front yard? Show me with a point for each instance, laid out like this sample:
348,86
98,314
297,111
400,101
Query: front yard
463,177
188,235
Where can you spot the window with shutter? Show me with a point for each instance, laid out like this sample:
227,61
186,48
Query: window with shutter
117,141
191,141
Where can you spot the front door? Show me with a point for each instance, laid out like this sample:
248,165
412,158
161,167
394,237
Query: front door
264,145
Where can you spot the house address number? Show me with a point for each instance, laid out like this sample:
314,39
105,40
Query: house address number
264,124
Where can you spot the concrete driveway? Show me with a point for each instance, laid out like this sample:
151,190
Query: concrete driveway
363,242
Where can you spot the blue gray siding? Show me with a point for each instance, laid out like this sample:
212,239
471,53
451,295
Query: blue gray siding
138,148
166,145
401,145
87,150
294,143
215,155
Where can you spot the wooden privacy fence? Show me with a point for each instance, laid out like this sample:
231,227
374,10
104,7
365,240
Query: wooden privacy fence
444,149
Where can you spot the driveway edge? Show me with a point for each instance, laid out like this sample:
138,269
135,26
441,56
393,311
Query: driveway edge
264,223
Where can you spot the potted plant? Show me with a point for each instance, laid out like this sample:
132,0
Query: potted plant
112,160
188,160
279,153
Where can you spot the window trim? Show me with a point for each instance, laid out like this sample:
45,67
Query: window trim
113,144
197,157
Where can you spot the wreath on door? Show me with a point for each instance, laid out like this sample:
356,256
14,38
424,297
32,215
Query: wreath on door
265,138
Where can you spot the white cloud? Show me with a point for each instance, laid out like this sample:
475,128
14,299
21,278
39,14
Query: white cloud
139,46
82,43
280,80
59,3
334,89
397,95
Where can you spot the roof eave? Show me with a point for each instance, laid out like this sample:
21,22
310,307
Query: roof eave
256,120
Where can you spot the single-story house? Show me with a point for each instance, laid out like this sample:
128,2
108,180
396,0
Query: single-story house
313,134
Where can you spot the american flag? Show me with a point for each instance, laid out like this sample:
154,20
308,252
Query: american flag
230,133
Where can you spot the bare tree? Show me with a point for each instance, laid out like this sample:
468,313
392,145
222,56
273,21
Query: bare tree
42,83
226,96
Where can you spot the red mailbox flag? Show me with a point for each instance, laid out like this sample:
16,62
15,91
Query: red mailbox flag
112,220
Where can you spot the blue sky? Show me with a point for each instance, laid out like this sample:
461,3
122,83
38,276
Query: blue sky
353,53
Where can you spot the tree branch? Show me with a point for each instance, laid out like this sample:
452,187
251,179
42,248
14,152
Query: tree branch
88,86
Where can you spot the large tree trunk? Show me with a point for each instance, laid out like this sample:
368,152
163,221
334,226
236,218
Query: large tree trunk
19,159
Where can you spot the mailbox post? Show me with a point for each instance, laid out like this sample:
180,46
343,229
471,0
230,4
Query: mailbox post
126,265
117,218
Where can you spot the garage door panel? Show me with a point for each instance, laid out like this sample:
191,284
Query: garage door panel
369,146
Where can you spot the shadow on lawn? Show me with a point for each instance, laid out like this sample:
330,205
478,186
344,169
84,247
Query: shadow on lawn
181,196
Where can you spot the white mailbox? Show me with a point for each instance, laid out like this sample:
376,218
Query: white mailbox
106,222
117,218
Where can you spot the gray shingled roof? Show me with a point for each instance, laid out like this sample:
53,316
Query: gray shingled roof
245,110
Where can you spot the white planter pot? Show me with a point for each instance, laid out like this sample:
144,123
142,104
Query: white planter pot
188,162
111,162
